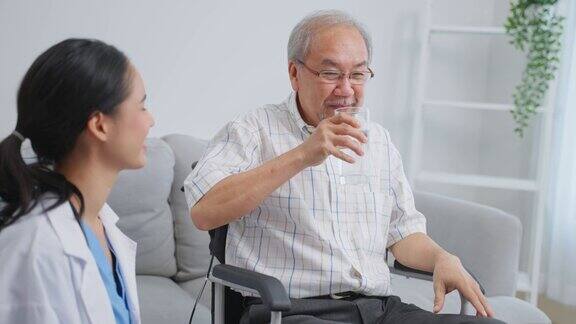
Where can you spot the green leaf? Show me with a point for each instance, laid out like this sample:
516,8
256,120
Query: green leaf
536,31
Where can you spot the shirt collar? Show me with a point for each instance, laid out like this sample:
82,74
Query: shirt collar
292,103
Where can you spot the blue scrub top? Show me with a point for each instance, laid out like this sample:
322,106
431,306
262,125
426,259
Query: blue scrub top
112,280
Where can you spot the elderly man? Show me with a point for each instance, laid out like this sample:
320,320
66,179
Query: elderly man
271,176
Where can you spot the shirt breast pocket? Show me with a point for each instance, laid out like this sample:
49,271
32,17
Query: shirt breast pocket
365,217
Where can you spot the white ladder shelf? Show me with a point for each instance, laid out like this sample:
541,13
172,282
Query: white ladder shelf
527,280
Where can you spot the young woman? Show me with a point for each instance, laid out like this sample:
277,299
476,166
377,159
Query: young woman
62,258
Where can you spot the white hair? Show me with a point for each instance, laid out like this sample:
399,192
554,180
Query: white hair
299,41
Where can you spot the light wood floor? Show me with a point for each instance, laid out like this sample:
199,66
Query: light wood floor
558,312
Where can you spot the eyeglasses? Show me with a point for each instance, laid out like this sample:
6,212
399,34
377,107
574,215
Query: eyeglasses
333,76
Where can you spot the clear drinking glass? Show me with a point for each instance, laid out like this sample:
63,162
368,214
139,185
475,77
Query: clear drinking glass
356,173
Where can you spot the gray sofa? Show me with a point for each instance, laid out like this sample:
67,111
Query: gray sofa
173,255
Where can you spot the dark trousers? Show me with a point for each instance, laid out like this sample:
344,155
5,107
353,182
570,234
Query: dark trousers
357,309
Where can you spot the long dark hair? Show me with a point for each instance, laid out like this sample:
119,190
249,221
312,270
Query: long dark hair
62,89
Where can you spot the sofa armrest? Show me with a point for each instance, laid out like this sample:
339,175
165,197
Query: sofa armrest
270,289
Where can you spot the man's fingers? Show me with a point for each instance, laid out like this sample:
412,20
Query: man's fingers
341,155
439,294
471,296
489,309
348,142
484,301
345,129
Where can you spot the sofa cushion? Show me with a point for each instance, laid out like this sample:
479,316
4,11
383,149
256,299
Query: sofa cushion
192,253
162,301
140,198
508,309
193,288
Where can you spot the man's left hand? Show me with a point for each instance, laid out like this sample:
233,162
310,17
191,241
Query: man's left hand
449,275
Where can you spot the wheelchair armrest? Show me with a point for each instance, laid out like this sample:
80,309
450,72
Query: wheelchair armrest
408,272
403,270
270,289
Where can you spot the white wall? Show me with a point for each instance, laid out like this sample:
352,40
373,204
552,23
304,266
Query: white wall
205,61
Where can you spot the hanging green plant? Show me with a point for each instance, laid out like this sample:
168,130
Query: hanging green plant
536,30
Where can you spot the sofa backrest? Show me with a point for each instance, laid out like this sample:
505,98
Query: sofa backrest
153,210
192,253
486,239
140,198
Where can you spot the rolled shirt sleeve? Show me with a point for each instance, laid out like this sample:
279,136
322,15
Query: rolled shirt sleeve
233,150
404,218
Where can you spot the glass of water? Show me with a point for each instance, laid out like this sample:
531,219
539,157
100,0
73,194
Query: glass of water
356,173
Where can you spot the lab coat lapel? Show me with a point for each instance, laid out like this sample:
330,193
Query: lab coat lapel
125,250
84,269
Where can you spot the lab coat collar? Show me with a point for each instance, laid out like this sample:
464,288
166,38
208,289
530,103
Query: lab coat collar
74,244
67,229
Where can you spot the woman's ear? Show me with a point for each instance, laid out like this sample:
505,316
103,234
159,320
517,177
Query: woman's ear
99,126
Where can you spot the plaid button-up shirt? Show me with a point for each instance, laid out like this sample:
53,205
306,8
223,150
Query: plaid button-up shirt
316,235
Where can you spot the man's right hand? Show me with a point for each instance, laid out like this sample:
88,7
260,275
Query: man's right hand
332,134
238,194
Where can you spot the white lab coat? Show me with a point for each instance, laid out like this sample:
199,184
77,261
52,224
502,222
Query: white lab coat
48,274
